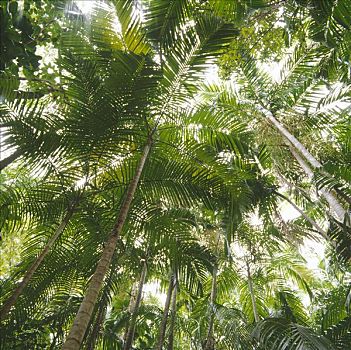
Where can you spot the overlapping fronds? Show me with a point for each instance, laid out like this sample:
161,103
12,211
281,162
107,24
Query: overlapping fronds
281,334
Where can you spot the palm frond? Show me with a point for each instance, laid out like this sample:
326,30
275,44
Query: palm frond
281,334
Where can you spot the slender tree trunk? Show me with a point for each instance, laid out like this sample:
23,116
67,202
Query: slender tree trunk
334,204
252,293
7,161
28,275
292,140
305,216
133,296
131,328
162,332
209,343
173,317
80,324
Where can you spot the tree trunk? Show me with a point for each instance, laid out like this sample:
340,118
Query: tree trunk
80,324
173,317
28,275
305,216
131,304
252,293
7,161
131,329
334,204
162,332
210,341
292,140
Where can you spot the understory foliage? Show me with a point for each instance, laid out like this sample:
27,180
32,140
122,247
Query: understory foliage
146,204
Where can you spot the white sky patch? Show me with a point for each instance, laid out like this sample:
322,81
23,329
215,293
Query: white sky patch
273,69
116,26
211,75
86,6
255,220
153,289
288,212
81,183
49,55
4,153
313,252
237,251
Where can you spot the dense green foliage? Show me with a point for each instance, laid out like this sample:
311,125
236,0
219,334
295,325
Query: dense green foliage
237,234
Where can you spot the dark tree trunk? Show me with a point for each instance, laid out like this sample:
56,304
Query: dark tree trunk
96,330
10,159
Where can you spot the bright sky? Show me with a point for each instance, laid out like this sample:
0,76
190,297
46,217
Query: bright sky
85,6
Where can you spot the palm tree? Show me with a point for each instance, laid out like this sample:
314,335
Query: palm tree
166,163
46,203
257,92
168,79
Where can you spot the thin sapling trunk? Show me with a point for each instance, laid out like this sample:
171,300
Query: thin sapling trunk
252,293
209,343
162,332
30,272
131,328
173,318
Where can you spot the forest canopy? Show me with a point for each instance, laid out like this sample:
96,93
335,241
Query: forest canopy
175,174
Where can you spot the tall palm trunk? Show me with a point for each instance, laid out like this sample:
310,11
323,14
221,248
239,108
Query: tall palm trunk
173,318
30,272
252,293
131,328
209,343
162,332
80,324
291,139
334,204
7,161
